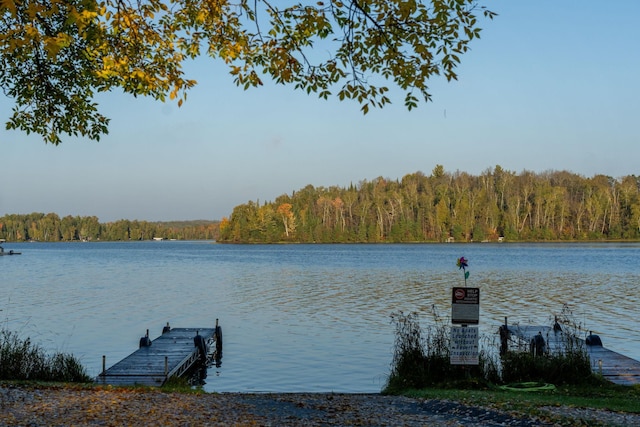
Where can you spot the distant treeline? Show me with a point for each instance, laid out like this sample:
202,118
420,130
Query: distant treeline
496,205
51,228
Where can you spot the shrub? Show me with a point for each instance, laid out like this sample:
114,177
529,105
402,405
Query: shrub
567,363
408,365
555,368
20,359
423,360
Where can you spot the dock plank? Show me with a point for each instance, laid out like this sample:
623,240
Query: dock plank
613,366
170,354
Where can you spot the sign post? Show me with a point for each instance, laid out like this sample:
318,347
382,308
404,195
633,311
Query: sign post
465,311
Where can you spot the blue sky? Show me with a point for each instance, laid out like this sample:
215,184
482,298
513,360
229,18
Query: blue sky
549,86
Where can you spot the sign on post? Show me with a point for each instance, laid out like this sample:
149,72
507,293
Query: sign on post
465,306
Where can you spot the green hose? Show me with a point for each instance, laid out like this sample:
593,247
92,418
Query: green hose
528,386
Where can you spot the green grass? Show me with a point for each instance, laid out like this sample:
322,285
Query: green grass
181,385
604,396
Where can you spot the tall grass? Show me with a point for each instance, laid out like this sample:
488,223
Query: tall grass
21,359
422,358
566,363
555,368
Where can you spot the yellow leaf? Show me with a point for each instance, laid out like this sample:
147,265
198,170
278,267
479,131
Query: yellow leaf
52,47
9,5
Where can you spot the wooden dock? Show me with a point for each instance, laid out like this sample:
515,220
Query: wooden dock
615,367
171,354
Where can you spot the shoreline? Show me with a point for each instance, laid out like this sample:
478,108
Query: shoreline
52,405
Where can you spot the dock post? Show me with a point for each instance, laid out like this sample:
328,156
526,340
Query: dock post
104,364
166,366
504,337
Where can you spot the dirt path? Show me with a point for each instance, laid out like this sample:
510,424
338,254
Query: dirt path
118,407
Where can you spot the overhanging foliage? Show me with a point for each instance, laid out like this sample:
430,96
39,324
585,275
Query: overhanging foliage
56,55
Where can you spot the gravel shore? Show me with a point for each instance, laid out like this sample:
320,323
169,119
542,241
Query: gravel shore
65,406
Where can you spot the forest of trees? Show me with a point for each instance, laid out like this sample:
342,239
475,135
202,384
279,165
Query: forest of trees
497,204
51,228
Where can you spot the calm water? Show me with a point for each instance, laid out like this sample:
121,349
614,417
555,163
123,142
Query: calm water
303,317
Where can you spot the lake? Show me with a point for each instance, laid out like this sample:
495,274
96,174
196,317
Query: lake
297,318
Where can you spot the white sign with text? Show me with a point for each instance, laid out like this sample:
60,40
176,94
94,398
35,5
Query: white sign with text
464,345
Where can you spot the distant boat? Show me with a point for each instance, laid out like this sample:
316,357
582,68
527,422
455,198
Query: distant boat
2,251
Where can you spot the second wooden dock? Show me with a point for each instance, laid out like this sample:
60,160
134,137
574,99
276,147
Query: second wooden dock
171,354
614,367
